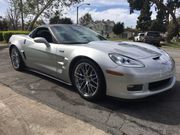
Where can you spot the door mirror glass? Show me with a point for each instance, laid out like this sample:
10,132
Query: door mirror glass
41,40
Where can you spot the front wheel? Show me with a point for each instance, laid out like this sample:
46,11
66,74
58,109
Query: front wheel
16,59
88,79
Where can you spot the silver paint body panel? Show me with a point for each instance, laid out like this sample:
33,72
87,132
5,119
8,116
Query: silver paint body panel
56,59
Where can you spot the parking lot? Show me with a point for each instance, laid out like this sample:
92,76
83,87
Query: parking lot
156,115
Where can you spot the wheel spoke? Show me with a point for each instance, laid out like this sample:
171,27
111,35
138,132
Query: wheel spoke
86,79
93,86
91,89
83,86
80,76
94,82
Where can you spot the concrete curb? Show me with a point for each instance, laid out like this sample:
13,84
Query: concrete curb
3,46
21,115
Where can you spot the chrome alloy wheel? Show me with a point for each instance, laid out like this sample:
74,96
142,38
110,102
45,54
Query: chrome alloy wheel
86,79
15,58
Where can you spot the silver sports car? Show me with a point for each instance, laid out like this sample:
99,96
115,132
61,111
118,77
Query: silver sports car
96,67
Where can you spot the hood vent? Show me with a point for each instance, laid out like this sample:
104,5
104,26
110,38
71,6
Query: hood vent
156,58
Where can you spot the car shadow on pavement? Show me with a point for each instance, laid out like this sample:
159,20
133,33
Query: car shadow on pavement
162,108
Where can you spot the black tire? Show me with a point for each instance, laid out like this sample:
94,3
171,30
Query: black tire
15,54
88,82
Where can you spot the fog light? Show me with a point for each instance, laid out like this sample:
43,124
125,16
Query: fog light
138,87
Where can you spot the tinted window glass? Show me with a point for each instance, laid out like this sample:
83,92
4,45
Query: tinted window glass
72,34
43,32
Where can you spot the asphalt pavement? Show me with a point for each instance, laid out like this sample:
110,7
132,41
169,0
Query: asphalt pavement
155,115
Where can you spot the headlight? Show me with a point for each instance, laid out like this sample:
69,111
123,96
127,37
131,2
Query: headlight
165,53
168,56
125,61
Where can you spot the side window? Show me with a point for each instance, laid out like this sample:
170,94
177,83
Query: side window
42,32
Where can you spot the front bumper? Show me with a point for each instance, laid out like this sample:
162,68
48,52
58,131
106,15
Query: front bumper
117,86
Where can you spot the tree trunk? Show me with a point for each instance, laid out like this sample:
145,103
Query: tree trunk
38,14
22,15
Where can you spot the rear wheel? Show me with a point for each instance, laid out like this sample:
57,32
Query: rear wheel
16,59
88,79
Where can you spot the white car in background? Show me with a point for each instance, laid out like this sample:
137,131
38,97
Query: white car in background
139,37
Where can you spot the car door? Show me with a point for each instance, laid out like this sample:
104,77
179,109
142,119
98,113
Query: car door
63,55
38,55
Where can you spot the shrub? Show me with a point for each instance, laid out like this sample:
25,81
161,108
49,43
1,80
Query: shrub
8,34
1,36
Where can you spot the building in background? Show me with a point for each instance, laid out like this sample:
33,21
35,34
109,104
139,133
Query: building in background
103,27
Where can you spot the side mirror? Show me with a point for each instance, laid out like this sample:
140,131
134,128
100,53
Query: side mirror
42,40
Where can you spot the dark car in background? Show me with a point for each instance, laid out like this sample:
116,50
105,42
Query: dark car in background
153,37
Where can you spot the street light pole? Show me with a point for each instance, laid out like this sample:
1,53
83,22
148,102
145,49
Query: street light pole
78,10
77,15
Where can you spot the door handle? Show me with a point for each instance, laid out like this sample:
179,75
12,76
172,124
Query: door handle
61,51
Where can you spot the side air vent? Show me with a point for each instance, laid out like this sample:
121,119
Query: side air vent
156,58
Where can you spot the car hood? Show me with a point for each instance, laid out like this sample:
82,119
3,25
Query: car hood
130,49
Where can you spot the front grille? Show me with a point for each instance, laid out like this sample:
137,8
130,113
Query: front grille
160,84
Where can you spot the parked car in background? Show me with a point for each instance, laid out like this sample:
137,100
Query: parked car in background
139,37
153,37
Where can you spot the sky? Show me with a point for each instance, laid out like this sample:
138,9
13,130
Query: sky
116,10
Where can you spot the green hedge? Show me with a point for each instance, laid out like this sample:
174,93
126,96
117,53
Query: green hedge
8,34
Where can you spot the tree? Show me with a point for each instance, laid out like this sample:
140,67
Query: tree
168,6
118,28
47,5
65,21
22,14
57,20
3,24
159,24
31,10
170,29
86,19
144,20
13,14
39,22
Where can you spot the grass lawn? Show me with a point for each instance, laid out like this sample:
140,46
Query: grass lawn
175,45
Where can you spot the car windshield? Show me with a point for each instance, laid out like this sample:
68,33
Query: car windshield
72,34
